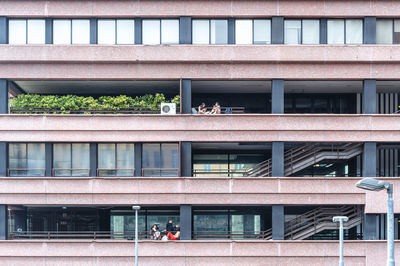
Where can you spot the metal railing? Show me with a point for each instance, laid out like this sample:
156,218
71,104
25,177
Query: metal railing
227,234
33,110
70,172
26,172
115,172
160,172
76,235
219,173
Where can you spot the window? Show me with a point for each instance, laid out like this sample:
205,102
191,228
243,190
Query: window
160,159
67,31
387,31
120,31
304,31
116,159
164,31
248,31
27,31
26,159
71,159
349,31
310,34
292,32
213,31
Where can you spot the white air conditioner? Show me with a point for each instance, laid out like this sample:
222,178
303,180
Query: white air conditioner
168,108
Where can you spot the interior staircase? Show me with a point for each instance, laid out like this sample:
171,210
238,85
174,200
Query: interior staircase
299,158
318,220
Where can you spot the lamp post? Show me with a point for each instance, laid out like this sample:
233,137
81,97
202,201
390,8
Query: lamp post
136,208
377,185
341,220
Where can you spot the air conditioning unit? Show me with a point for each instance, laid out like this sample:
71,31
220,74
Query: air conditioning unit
168,108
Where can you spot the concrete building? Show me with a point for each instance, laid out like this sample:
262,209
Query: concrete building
309,96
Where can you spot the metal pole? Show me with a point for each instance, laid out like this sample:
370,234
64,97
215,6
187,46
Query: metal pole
390,228
136,238
341,263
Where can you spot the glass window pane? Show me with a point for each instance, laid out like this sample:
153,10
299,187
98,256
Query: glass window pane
36,159
262,31
169,159
219,31
336,31
106,158
170,31
201,32
125,31
17,155
125,159
151,159
36,31
384,31
244,31
62,31
62,159
396,32
106,31
80,159
80,31
354,31
310,31
292,31
17,31
151,32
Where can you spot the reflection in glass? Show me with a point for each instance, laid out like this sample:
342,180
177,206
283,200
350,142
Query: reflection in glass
106,31
125,31
61,31
151,31
262,31
160,159
244,31
201,31
36,31
17,31
310,31
354,31
80,31
292,31
396,31
335,31
170,31
219,31
384,31
27,159
116,159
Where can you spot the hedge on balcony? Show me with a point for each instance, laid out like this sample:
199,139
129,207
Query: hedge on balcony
34,103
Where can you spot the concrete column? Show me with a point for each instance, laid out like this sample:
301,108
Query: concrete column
49,159
49,31
323,31
369,30
277,30
370,227
3,222
138,159
231,31
186,158
4,90
278,167
186,100
186,222
3,30
278,222
369,97
3,159
93,159
277,97
93,31
185,30
138,31
369,160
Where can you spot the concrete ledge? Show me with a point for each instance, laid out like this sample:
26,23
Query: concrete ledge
221,252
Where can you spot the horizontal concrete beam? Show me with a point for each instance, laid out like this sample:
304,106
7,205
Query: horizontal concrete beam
208,128
199,252
224,8
201,191
135,54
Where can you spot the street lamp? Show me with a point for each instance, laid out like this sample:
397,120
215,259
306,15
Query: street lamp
341,220
136,208
377,185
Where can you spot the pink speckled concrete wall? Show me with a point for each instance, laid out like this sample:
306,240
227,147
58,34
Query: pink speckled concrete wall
220,8
207,128
222,252
177,191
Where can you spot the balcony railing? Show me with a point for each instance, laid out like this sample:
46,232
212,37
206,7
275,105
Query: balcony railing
70,172
220,173
140,110
115,172
26,172
160,171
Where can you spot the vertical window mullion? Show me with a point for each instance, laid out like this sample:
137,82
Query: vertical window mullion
116,31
